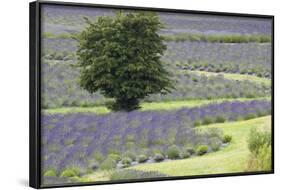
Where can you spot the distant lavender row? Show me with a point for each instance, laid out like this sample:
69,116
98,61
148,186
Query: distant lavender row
242,56
74,139
60,87
70,19
239,56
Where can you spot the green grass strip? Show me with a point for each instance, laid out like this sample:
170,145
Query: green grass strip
171,105
231,159
216,38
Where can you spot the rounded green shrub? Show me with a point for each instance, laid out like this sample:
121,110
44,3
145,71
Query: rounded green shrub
126,161
142,158
258,139
173,152
226,138
115,157
185,154
158,157
220,119
202,149
108,164
197,123
190,149
130,155
69,173
50,173
207,120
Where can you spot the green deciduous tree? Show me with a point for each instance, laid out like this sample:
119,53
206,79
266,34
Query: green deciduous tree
120,57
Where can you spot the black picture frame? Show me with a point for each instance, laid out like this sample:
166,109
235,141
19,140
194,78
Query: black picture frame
35,93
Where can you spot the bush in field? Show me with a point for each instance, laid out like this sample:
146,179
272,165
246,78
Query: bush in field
98,157
202,149
259,144
130,155
158,157
115,157
257,140
108,164
126,161
120,56
207,120
70,172
50,173
226,138
142,158
197,123
190,150
215,144
220,119
185,154
173,152
215,132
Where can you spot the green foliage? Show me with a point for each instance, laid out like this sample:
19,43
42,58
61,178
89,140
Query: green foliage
108,164
142,158
197,123
50,173
226,138
185,154
258,139
58,36
215,144
115,157
120,56
126,161
218,38
190,149
70,172
215,132
130,155
220,119
202,149
173,152
158,157
98,156
250,116
207,120
259,143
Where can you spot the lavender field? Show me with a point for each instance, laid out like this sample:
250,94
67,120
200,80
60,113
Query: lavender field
210,58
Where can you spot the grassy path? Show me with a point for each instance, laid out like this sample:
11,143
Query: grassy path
238,77
229,160
148,106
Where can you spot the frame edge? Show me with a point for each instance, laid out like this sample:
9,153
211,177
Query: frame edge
34,174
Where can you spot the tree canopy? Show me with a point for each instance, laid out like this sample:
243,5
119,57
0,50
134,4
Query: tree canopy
120,56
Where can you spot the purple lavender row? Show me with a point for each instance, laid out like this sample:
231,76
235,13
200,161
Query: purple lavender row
75,139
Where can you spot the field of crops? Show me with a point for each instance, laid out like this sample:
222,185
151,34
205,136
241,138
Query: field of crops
221,69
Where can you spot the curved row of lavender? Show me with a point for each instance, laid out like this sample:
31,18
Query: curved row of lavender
60,88
72,140
244,56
